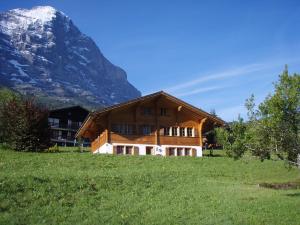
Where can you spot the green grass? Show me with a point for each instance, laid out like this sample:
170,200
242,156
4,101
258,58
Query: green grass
81,188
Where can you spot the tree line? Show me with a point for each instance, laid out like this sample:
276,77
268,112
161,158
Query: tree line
272,127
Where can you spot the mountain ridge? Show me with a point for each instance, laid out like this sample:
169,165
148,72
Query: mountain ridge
45,55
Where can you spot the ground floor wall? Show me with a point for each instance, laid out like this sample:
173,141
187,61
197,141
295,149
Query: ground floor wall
148,149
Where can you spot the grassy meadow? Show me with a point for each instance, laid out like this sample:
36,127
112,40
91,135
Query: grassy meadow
81,188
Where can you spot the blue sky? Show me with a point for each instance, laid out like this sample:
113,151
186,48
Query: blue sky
212,54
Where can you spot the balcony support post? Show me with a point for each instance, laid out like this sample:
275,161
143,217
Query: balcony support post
201,122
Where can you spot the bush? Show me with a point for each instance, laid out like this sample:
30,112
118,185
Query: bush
53,149
233,138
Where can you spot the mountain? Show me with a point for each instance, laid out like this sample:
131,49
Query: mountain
43,54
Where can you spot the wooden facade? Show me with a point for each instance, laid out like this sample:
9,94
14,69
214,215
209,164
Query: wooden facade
157,121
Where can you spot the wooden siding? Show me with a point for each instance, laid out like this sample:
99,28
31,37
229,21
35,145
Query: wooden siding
132,139
135,117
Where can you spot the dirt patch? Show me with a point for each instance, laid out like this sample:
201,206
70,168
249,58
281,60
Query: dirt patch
281,186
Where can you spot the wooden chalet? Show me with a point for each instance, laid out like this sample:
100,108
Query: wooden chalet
64,124
155,124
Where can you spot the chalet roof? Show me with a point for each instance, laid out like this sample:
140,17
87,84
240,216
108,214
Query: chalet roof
92,115
69,108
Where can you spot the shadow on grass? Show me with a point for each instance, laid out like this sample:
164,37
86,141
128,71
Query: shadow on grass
214,153
281,186
294,195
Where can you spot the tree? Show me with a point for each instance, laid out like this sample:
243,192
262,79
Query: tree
6,95
211,139
232,138
275,125
213,112
26,125
257,135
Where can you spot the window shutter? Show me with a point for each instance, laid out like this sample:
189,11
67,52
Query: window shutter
193,152
167,152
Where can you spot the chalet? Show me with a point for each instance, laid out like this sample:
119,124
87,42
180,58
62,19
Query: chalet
155,124
64,124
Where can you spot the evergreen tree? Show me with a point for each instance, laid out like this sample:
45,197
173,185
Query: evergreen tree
25,125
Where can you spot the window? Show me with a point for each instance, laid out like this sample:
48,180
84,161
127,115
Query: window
174,131
189,132
182,131
73,124
179,152
126,129
146,130
171,151
147,111
119,150
69,123
163,111
187,151
115,128
53,122
149,150
166,131
56,134
69,135
128,150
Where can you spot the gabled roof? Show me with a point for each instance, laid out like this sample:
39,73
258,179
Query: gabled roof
143,98
69,108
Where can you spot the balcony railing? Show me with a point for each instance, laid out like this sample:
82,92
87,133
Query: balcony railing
150,139
179,140
98,142
65,126
131,139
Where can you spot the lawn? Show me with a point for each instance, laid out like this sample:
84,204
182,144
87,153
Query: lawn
81,188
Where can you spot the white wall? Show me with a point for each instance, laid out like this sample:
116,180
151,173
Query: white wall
158,150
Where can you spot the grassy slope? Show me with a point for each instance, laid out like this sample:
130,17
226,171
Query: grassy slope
74,188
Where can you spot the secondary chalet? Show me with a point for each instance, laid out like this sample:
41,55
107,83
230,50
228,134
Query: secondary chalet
64,124
156,124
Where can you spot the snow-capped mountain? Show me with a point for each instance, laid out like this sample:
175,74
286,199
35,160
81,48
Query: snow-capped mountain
42,53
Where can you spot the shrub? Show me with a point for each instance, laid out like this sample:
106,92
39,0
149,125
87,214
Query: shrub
233,138
53,149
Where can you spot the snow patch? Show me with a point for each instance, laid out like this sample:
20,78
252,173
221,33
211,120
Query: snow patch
16,80
32,81
71,67
81,56
82,63
42,13
17,65
21,19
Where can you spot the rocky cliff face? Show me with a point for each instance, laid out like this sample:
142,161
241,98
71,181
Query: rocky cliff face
42,53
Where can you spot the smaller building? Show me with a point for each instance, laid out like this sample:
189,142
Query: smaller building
64,124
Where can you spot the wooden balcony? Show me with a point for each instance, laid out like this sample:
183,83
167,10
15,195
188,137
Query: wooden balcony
98,142
132,139
175,140
150,139
144,139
